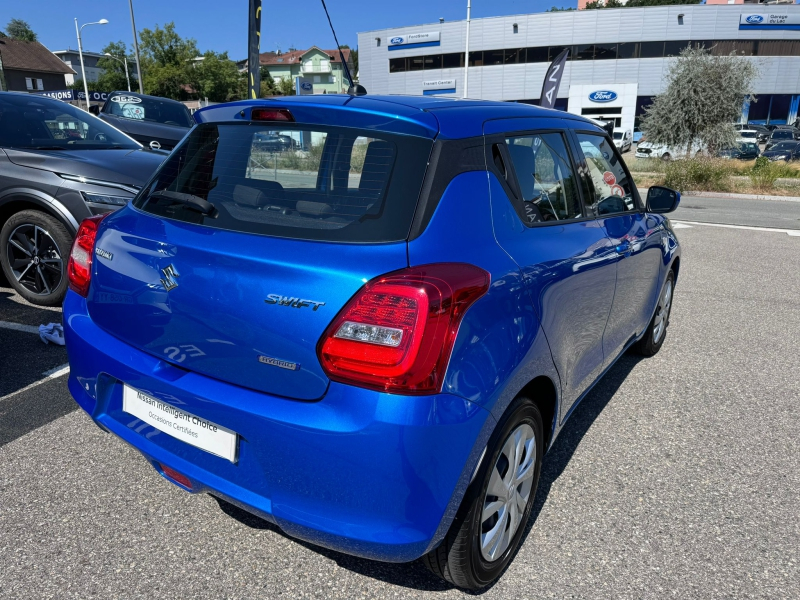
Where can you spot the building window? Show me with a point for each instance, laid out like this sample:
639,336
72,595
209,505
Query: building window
583,52
513,57
651,49
453,61
476,59
397,65
434,61
536,55
628,50
555,51
316,79
39,84
605,51
492,57
28,83
415,63
674,48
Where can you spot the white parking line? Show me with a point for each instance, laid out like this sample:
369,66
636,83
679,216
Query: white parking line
48,376
790,232
19,327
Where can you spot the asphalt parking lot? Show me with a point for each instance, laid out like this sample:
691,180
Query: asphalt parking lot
678,476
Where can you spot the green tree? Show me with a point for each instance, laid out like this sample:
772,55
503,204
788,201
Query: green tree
215,77
113,78
166,62
17,29
286,86
703,99
268,87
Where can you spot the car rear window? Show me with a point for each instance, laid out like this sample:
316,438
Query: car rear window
133,107
782,134
320,183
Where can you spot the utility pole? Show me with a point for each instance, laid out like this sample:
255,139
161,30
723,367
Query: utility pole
136,50
80,54
466,50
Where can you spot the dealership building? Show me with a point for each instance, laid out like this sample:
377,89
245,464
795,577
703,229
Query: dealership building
619,57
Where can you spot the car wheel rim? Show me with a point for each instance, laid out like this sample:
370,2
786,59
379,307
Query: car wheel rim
35,261
509,490
662,312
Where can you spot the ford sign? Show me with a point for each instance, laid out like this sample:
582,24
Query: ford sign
396,40
754,19
603,96
306,86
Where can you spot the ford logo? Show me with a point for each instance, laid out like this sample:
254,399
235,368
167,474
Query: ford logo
754,19
306,86
603,96
396,40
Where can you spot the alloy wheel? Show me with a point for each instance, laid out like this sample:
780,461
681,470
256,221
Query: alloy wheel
35,260
662,312
508,492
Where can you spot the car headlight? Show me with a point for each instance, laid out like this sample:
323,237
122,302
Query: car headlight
106,199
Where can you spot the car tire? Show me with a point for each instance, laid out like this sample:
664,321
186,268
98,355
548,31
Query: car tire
656,332
37,237
666,157
461,558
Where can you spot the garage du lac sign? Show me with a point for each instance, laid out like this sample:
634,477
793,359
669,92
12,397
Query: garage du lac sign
603,96
769,21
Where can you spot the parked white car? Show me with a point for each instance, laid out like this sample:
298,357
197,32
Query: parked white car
747,135
623,140
666,153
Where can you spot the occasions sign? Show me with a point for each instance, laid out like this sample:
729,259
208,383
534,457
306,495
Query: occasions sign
70,95
776,20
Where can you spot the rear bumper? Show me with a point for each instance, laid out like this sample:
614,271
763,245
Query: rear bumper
361,472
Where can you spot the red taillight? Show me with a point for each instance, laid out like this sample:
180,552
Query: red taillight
271,114
79,267
175,476
396,334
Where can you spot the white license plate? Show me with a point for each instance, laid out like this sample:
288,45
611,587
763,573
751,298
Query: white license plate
179,424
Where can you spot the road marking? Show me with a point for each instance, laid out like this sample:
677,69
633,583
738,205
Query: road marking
790,232
18,327
58,371
677,225
48,376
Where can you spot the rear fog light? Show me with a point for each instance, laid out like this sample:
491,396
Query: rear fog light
175,476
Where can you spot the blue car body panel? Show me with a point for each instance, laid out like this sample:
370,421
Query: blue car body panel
364,472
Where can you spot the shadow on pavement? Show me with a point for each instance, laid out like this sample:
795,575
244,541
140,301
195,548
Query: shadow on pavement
415,575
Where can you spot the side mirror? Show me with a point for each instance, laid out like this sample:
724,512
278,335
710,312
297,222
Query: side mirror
95,110
662,199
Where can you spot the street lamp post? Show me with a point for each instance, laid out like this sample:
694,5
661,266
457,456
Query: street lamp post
125,59
136,50
80,53
466,50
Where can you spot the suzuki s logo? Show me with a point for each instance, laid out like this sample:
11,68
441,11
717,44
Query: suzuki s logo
396,40
170,277
754,19
603,96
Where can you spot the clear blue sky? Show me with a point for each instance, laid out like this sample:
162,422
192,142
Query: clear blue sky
221,25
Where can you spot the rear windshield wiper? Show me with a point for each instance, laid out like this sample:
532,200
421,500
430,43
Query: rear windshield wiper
190,200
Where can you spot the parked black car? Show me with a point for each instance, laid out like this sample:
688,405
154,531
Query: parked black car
152,121
787,151
58,165
781,135
742,151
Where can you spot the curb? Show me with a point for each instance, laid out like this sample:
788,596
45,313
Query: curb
741,196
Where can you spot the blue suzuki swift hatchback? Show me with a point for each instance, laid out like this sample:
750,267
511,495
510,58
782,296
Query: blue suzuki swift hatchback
371,333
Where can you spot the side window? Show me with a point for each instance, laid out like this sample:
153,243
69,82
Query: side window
612,190
545,176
